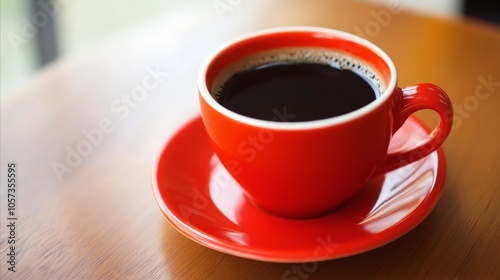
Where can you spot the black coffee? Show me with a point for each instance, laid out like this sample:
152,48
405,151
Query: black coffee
303,91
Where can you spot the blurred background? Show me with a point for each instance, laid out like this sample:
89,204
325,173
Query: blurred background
35,32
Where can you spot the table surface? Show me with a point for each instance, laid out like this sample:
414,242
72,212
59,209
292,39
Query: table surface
97,218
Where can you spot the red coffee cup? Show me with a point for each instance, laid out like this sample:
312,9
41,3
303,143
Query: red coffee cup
306,169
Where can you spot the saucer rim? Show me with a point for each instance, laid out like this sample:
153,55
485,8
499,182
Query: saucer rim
410,221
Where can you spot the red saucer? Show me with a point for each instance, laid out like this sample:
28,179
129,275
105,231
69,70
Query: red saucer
201,200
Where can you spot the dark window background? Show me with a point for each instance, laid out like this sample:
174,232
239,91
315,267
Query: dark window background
488,10
75,23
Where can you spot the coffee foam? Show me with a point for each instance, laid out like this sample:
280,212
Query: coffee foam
337,59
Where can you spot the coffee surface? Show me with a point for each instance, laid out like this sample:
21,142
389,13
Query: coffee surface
300,91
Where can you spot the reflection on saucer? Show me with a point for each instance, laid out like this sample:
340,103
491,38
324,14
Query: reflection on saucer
225,192
200,199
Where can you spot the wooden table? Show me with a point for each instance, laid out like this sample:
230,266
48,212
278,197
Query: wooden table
96,218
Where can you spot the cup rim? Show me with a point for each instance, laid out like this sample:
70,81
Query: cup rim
303,125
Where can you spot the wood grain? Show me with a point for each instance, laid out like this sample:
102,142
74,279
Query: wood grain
100,220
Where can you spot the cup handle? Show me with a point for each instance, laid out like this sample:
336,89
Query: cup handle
412,99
